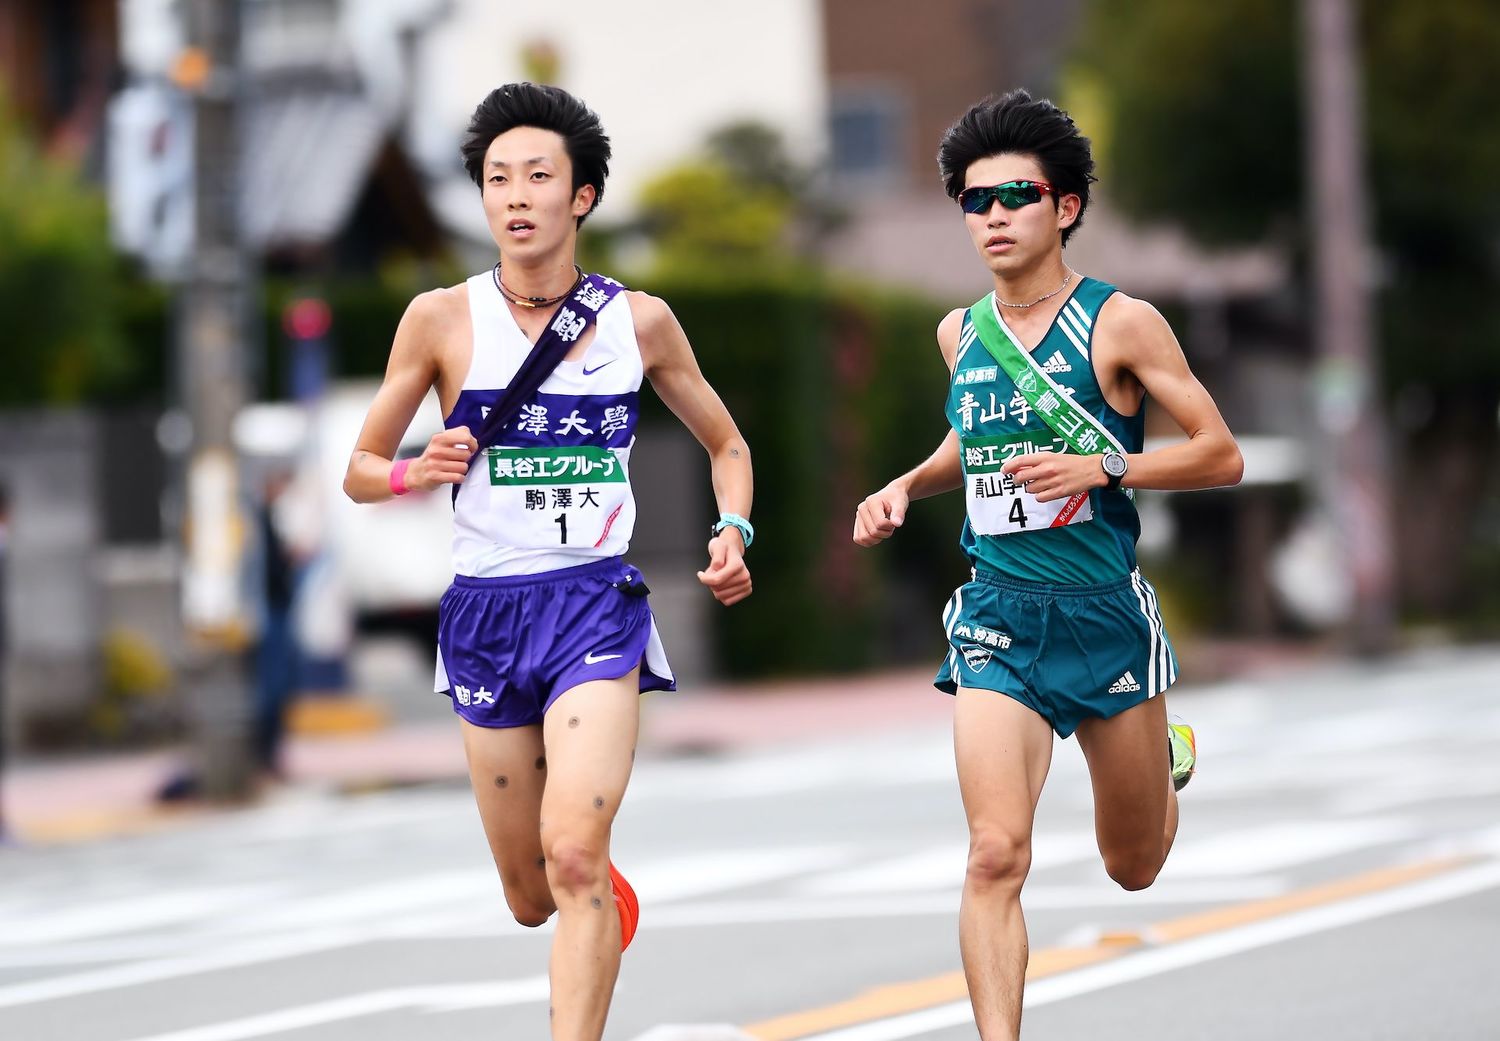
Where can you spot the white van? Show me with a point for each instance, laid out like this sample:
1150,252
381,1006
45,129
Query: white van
371,564
392,557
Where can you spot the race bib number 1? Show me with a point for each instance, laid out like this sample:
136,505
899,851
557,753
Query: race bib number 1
1000,506
557,496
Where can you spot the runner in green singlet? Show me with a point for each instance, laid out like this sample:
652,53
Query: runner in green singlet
1058,632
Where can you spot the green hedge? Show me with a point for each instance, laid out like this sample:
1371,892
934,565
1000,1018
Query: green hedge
837,390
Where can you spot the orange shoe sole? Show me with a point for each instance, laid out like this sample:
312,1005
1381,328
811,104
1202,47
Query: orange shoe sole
626,903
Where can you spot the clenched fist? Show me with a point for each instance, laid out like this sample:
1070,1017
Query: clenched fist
727,577
878,517
445,460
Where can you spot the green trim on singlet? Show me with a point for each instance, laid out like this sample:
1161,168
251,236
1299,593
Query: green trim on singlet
1085,553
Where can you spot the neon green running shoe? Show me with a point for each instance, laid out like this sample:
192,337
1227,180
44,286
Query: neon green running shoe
1182,747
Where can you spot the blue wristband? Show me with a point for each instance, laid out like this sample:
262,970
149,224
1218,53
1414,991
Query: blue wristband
740,524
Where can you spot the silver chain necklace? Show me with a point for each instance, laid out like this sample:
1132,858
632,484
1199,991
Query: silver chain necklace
1066,279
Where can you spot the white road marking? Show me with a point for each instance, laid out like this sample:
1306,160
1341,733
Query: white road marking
119,976
761,912
439,998
117,916
1273,847
699,874
1436,785
787,773
96,952
356,916
1037,898
372,903
695,1032
942,867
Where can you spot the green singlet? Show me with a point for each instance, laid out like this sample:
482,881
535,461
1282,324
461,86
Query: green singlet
1005,530
1057,615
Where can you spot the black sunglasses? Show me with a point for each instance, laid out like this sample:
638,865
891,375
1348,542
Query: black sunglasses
1012,195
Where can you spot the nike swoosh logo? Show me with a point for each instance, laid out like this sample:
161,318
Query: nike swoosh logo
596,368
594,659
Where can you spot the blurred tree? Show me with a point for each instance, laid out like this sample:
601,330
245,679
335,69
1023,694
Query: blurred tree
541,62
58,278
1205,128
756,154
744,206
701,215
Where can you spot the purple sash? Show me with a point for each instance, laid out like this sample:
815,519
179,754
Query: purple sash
573,318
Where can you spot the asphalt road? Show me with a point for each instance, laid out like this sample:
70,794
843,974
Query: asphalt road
1337,875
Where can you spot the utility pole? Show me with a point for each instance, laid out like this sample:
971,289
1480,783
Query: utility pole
1356,470
211,356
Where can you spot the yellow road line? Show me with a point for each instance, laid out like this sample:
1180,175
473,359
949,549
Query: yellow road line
336,716
93,825
1274,907
899,998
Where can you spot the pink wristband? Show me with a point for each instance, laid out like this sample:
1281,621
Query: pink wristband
398,477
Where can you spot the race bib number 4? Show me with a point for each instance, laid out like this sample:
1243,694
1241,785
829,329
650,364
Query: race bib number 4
1000,506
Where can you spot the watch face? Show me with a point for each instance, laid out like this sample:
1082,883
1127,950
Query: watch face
1114,464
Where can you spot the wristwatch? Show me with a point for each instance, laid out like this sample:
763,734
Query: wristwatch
1114,468
734,520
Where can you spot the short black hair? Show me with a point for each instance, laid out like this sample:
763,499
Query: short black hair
1016,122
546,108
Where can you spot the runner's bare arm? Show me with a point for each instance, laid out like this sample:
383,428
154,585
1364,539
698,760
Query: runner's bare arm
1135,342
679,382
877,518
409,375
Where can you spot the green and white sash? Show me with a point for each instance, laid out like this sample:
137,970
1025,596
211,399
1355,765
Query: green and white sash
997,504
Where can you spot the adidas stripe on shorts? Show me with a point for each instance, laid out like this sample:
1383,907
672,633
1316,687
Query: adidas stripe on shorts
1069,653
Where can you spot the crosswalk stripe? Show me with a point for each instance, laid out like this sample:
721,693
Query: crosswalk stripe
1250,851
373,902
441,998
942,867
695,875
80,921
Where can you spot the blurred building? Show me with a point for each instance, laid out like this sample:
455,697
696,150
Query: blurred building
899,75
661,78
327,188
58,65
326,184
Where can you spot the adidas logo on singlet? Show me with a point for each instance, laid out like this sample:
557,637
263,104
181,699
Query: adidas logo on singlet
1056,363
1126,684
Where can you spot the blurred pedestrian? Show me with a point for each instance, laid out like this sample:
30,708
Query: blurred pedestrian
277,654
545,637
1058,631
275,658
